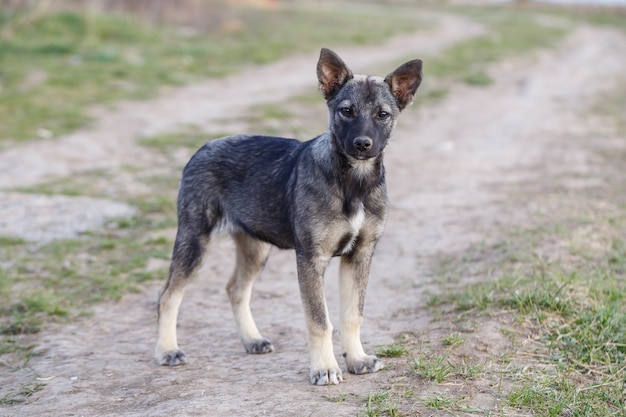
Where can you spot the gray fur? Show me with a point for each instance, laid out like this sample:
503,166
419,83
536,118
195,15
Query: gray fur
324,197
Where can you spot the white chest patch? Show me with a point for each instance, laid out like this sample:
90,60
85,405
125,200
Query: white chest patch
356,222
363,168
357,219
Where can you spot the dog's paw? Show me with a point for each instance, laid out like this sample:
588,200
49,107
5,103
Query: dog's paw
259,346
172,358
326,377
366,364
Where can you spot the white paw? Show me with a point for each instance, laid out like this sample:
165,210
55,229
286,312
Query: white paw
366,364
171,358
259,346
326,376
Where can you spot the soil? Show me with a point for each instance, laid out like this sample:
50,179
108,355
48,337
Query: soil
450,167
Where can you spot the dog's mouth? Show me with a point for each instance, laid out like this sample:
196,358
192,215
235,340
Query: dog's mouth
359,156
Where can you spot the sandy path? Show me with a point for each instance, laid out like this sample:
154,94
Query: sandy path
442,168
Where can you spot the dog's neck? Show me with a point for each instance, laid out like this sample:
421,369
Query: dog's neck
358,178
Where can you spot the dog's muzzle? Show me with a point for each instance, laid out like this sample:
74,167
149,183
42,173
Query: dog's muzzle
363,147
362,143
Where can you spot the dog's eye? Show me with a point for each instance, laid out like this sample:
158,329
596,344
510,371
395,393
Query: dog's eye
346,111
383,115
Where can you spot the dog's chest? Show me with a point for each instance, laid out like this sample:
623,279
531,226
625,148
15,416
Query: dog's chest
355,223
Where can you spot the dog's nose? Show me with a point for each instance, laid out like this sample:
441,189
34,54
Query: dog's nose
362,143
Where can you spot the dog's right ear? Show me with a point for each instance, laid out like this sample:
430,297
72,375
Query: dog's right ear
332,73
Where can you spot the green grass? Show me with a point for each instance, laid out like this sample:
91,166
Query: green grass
55,64
379,404
558,395
439,402
72,273
63,279
392,351
574,303
19,395
435,367
453,340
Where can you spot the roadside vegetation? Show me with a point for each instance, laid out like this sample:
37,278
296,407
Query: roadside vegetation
55,62
553,291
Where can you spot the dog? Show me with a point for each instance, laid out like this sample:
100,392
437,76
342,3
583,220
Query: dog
325,197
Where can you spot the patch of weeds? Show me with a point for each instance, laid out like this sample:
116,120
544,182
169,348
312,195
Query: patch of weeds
466,370
21,394
574,306
62,278
595,337
558,395
392,351
432,367
381,404
453,340
19,351
440,402
10,241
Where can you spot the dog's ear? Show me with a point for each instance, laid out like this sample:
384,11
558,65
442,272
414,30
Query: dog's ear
332,73
403,82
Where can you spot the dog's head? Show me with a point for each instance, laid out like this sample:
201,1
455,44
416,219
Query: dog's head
363,109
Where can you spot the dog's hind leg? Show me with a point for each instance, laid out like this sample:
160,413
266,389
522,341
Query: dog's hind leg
187,256
251,257
354,271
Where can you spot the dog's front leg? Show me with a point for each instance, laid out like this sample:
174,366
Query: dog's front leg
324,367
354,271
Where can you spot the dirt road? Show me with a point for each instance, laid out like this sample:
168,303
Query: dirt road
445,167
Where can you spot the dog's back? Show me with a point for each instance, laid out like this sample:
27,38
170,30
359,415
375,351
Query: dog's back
245,182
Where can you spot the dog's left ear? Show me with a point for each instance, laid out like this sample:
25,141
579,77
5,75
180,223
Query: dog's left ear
332,73
404,81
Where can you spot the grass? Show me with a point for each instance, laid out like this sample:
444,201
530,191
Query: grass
380,404
18,396
432,367
53,65
574,305
61,281
392,351
66,276
439,402
453,340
